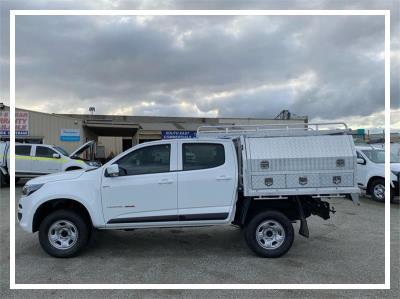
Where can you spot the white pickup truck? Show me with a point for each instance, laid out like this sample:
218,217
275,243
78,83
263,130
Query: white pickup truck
371,172
259,178
32,160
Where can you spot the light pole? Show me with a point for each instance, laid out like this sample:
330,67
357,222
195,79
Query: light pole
92,110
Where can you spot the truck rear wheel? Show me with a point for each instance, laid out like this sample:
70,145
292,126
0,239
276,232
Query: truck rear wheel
269,234
63,234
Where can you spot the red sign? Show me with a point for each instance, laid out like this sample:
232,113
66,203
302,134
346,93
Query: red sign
21,123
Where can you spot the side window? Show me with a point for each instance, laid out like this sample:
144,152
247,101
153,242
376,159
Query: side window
23,150
149,159
44,152
202,155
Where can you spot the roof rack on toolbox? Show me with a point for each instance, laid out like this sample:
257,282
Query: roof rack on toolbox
273,130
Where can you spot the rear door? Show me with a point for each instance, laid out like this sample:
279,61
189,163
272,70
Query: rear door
23,159
44,162
206,182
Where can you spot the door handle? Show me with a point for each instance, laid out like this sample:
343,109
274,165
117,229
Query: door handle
165,181
223,178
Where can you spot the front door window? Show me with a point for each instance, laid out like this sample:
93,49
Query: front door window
146,160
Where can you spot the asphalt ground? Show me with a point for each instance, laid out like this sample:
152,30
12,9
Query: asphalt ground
348,248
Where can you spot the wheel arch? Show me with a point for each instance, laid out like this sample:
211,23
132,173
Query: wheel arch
250,207
57,204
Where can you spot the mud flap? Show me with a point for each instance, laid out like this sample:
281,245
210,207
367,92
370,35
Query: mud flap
303,222
355,197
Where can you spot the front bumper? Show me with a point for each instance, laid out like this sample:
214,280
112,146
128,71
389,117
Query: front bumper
23,216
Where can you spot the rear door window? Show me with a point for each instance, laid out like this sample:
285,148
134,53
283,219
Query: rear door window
202,155
23,150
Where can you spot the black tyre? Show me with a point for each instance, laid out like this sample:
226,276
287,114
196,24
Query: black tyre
4,180
377,190
393,193
63,234
269,234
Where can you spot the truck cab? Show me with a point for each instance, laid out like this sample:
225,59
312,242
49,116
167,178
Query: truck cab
178,182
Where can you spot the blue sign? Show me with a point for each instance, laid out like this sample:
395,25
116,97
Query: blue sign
17,133
71,135
178,134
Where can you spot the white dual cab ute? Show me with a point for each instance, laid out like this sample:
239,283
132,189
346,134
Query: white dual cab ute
259,178
371,172
32,160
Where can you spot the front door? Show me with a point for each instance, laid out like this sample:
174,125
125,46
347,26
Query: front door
362,171
207,183
44,162
145,192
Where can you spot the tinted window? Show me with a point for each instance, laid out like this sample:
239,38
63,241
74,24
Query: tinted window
44,152
376,156
61,150
150,159
23,150
202,155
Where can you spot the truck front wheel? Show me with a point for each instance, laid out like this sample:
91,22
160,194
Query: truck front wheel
377,190
269,234
63,233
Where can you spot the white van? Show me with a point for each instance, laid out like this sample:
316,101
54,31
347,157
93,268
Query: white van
32,160
371,172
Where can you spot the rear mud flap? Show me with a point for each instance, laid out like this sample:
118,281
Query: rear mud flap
355,197
304,231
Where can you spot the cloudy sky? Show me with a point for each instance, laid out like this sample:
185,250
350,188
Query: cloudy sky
329,68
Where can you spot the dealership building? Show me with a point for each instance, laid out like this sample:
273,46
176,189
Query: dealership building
114,133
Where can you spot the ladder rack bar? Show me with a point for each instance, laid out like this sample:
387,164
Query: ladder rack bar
295,128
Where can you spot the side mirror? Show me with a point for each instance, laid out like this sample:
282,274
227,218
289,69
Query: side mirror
112,170
56,156
361,161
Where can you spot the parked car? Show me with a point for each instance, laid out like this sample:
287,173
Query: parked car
32,160
371,172
259,179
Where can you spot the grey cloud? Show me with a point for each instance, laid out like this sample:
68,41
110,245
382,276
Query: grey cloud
69,62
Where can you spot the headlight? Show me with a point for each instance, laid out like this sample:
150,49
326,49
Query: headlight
29,189
93,163
395,172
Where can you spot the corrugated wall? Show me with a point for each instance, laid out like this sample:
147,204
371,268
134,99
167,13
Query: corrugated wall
49,127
